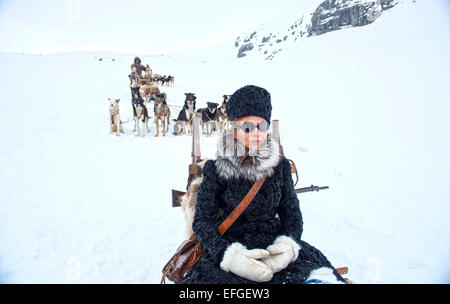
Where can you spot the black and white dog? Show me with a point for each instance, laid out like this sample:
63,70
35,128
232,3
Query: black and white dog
223,121
183,124
140,112
209,117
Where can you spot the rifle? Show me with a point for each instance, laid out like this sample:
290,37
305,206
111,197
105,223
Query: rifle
176,194
310,189
193,168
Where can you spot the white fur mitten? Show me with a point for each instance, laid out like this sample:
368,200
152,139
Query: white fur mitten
283,251
244,263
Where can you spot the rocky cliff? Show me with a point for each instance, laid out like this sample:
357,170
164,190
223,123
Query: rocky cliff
330,15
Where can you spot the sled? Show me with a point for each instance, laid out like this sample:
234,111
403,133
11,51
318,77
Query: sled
194,170
148,91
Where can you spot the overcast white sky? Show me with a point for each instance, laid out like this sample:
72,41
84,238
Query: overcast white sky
152,26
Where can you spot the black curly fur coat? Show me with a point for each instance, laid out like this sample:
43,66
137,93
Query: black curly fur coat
226,180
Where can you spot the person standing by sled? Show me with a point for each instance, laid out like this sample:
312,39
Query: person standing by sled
264,244
139,66
134,77
134,86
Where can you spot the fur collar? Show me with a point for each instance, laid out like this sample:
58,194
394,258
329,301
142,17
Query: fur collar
233,159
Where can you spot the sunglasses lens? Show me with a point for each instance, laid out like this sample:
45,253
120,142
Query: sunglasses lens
263,126
248,127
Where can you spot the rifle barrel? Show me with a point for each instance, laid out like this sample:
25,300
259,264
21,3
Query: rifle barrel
310,189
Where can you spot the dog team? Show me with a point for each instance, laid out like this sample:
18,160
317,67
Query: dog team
213,117
144,89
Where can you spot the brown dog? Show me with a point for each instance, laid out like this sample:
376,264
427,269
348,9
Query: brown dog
162,112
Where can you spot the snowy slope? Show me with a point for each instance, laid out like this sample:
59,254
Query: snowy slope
364,111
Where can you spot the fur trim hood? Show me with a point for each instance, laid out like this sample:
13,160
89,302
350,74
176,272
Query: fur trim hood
234,160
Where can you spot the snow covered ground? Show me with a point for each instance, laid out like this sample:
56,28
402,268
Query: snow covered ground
363,110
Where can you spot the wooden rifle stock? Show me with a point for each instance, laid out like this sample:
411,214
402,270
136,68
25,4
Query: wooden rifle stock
193,168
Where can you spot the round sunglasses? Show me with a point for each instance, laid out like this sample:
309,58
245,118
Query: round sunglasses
249,126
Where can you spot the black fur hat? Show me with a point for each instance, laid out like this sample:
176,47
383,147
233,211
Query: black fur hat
250,101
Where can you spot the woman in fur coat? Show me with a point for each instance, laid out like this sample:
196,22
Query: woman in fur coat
264,244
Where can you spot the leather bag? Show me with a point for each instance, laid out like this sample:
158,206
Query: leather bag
190,251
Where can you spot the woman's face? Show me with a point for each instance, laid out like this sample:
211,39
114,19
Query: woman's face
253,139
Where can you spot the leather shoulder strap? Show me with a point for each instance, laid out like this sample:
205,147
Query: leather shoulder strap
242,206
